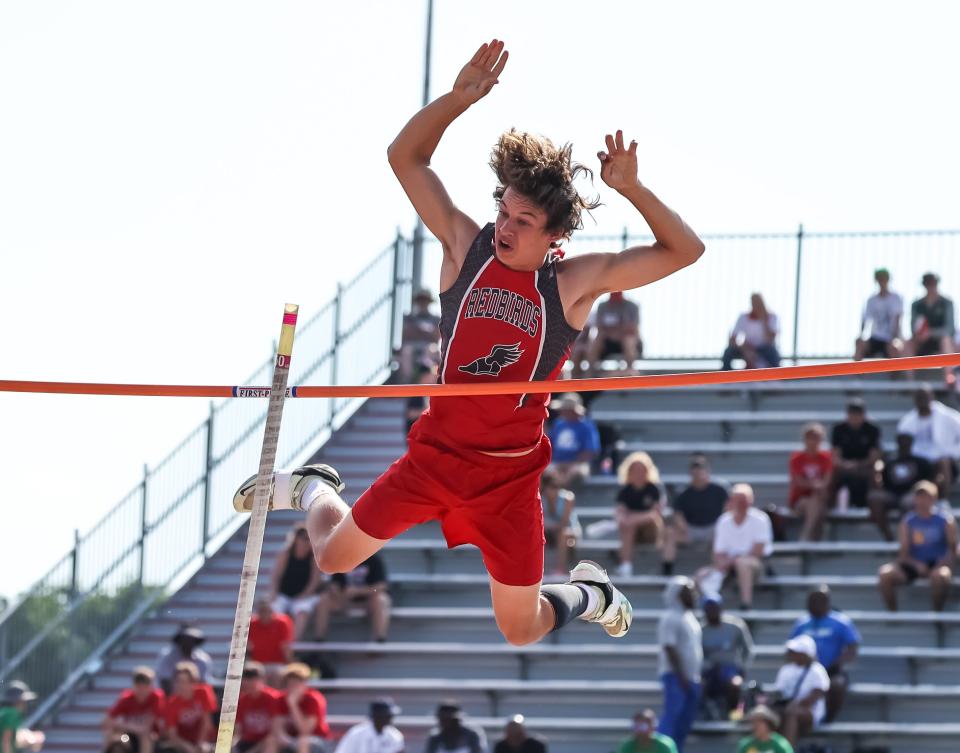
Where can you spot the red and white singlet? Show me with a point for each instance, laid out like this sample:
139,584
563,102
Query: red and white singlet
501,324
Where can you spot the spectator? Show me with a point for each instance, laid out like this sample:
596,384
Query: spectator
928,543
185,647
931,321
425,373
801,688
935,429
894,482
561,526
618,331
754,337
421,334
13,705
695,512
856,450
259,713
580,349
188,726
763,737
810,470
303,712
639,512
365,585
680,660
137,713
645,738
574,438
744,538
882,313
377,734
296,580
270,640
516,740
727,652
837,640
451,735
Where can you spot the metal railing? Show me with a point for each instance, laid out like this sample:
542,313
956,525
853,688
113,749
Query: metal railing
816,282
181,512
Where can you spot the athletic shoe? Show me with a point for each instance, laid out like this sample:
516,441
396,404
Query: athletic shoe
615,613
286,487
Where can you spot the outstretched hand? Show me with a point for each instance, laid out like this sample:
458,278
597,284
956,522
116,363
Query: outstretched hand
618,165
480,75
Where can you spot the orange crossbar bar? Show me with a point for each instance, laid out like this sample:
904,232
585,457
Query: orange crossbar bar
699,378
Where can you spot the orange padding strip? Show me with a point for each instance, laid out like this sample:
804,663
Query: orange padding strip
694,379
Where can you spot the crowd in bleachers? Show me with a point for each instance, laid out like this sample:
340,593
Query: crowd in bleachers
706,654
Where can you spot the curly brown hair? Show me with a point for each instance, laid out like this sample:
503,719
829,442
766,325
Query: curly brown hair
544,173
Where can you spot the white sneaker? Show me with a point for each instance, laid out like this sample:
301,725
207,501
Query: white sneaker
614,613
625,569
286,487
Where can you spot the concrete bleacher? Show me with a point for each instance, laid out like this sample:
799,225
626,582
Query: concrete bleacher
579,688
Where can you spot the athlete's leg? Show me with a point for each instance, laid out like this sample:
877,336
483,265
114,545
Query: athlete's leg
523,613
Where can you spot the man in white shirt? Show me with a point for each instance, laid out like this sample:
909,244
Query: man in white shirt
378,735
754,337
880,325
935,429
801,686
743,538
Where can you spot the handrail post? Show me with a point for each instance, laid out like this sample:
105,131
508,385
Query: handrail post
796,292
143,524
205,536
625,238
394,297
75,565
335,351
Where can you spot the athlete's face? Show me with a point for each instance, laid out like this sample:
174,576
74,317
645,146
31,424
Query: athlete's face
520,238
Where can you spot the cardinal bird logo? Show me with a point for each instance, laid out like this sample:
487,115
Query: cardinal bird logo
500,356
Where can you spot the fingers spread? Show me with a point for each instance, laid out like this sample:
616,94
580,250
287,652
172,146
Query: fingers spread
620,146
602,156
633,147
611,145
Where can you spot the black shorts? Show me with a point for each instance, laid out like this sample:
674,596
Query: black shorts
910,572
876,347
838,672
930,346
613,347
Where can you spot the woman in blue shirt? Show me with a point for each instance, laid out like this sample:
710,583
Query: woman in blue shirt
928,543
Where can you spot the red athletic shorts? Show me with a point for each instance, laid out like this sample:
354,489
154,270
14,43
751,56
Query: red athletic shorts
491,502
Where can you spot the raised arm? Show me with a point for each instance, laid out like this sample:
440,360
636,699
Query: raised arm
676,245
412,149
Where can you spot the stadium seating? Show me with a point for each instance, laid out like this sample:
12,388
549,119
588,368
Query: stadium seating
580,688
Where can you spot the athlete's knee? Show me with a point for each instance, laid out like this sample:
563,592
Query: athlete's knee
517,634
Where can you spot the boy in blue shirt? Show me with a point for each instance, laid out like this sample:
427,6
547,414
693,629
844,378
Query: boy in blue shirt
574,438
837,640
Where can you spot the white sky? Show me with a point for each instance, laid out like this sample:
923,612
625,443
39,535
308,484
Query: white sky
171,173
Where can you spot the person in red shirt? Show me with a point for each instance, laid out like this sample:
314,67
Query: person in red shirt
810,470
304,713
188,725
269,641
136,713
259,713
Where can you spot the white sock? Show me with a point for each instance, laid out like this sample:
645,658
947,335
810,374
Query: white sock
312,492
593,601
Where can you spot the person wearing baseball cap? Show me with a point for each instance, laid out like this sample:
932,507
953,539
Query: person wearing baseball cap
452,735
880,323
644,737
574,438
801,687
928,545
377,733
727,652
764,737
14,698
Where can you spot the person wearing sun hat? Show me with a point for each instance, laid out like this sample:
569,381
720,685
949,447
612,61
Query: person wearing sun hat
801,688
13,704
763,737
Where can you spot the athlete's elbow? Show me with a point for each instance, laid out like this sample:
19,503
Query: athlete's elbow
401,158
